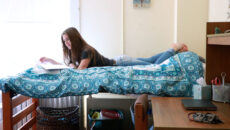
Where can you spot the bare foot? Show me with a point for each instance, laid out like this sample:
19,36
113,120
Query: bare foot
184,48
176,46
179,47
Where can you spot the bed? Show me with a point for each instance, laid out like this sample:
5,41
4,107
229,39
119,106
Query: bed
174,77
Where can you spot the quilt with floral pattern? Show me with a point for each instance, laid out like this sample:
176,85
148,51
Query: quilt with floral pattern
173,77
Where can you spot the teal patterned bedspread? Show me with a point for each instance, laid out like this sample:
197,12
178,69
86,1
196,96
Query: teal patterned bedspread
174,77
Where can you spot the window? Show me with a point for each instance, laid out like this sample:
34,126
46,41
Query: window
30,29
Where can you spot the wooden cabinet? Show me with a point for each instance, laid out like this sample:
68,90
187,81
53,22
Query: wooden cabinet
217,51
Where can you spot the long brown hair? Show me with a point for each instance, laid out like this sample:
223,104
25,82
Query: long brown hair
78,44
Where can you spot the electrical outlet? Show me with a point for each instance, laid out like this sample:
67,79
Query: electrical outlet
228,13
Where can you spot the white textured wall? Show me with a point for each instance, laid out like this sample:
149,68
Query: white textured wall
218,10
101,25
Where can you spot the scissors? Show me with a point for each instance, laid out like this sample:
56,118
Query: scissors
216,81
223,74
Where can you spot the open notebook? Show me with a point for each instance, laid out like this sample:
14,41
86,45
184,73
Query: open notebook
197,104
49,66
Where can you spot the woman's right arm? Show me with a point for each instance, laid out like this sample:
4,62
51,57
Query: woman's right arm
46,59
49,60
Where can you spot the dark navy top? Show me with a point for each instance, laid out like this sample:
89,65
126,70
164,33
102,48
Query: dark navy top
100,60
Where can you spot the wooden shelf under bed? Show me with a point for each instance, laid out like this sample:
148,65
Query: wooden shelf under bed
10,119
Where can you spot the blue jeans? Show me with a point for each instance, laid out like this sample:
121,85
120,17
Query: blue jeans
156,59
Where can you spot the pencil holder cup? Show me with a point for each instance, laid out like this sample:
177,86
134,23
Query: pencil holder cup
221,93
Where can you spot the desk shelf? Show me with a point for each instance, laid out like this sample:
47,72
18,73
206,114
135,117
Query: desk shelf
219,39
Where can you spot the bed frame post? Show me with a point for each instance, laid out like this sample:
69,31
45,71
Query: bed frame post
140,112
141,118
7,111
34,113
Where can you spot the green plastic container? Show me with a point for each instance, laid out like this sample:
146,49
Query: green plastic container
105,124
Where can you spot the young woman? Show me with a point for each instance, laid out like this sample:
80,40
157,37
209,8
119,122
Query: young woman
80,55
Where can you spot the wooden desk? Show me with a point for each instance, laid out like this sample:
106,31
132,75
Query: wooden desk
169,114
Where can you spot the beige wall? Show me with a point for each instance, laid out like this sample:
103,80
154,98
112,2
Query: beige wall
101,24
148,31
114,27
191,24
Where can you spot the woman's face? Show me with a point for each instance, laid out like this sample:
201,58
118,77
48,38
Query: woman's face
66,40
